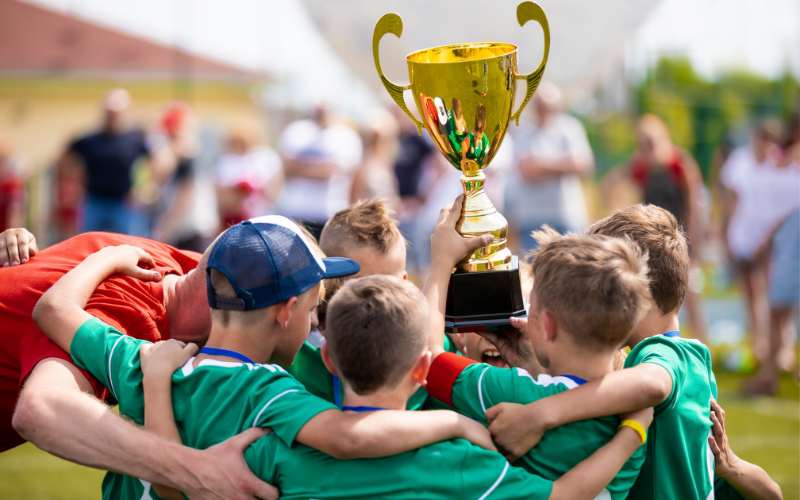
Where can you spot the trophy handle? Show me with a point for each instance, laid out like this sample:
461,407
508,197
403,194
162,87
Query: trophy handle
529,11
391,23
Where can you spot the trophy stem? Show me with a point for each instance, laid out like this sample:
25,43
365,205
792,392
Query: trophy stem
479,217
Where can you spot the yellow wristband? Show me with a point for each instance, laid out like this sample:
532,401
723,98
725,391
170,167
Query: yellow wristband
636,427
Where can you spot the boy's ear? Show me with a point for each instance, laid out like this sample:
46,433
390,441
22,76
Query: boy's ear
549,325
326,358
285,311
420,371
405,275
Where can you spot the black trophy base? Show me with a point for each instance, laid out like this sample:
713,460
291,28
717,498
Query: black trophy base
484,300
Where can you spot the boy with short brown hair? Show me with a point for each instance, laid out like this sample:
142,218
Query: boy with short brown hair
588,292
662,370
366,232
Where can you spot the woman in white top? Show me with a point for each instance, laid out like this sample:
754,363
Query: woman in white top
760,191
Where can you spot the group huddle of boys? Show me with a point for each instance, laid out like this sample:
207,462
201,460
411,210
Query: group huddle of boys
385,350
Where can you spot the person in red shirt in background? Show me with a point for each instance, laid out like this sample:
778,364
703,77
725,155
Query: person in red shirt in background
44,398
667,176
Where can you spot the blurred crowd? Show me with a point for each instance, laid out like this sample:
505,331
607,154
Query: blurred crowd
128,179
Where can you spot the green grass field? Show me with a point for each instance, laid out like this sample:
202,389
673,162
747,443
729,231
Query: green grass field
763,430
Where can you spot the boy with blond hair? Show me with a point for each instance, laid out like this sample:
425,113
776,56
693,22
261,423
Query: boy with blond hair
380,372
366,232
663,370
588,293
263,282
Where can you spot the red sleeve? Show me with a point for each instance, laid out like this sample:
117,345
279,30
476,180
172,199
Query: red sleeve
444,371
35,347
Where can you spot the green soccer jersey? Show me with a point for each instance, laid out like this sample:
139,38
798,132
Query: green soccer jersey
212,401
679,462
311,371
479,386
445,470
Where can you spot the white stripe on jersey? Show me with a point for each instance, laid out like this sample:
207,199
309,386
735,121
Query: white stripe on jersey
146,492
287,391
544,380
496,483
480,389
110,356
604,495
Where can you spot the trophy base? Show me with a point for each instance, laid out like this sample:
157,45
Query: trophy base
483,301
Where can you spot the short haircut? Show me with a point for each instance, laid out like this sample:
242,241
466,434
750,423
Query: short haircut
367,223
596,287
658,233
376,330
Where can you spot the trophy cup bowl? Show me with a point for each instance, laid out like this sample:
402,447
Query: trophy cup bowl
465,96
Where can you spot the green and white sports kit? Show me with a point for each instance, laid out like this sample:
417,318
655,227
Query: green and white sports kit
679,462
212,401
445,470
472,388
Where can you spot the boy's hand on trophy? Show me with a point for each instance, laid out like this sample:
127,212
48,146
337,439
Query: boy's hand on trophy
447,245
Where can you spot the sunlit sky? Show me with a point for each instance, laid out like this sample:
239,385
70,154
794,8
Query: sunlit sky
279,37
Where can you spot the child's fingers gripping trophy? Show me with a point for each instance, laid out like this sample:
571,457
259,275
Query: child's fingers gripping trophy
447,245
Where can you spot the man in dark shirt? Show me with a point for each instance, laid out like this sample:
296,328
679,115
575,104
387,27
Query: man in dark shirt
108,157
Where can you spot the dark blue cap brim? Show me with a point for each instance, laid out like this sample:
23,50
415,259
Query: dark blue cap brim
337,267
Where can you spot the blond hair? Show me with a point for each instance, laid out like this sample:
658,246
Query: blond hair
657,232
369,223
596,287
376,330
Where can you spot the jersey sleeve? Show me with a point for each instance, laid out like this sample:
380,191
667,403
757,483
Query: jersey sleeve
113,358
486,474
664,353
472,388
262,457
284,405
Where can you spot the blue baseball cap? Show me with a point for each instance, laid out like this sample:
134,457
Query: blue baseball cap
268,260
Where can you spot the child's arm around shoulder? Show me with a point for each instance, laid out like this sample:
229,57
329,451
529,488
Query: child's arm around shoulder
59,312
590,477
518,428
347,435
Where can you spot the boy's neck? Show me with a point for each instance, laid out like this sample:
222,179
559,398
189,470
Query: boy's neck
230,339
654,323
389,399
583,363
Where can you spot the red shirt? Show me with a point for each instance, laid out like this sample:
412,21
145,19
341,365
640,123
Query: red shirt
132,306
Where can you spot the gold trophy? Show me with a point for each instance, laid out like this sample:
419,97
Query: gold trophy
465,95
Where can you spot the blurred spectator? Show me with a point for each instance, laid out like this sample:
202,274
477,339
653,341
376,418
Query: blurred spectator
413,151
375,178
319,157
173,208
108,157
249,178
11,189
782,249
667,176
553,153
760,190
